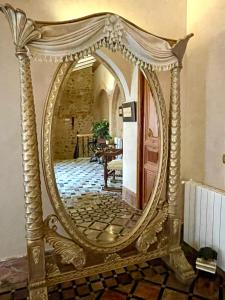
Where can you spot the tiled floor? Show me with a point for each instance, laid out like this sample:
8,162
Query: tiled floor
150,280
76,178
101,215
104,217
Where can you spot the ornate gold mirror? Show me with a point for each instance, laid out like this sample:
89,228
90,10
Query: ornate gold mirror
105,188
106,78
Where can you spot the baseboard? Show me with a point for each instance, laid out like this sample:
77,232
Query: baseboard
129,197
6,259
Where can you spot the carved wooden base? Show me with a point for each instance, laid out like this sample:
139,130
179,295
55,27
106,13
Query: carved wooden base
177,261
69,251
54,277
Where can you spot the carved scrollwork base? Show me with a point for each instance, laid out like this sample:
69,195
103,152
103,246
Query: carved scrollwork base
68,250
149,235
112,257
40,293
52,269
179,264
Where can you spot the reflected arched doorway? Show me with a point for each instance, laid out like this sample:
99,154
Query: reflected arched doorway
101,106
116,127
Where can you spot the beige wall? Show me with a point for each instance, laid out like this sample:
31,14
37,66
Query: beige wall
204,109
117,102
103,88
159,17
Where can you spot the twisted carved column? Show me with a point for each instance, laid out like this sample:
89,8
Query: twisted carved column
176,258
174,147
32,184
173,188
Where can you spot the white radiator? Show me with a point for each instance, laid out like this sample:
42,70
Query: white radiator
204,218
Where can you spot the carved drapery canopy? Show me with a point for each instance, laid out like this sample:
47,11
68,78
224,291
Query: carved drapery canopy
63,41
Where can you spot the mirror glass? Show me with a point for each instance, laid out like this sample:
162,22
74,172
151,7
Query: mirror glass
105,145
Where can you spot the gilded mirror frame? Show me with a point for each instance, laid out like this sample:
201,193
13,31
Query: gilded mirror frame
48,41
70,227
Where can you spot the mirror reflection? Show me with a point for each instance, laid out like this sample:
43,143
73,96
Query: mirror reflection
105,145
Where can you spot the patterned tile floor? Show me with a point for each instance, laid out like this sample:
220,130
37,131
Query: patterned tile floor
101,215
76,178
150,280
104,217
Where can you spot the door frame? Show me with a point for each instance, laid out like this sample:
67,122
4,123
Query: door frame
140,135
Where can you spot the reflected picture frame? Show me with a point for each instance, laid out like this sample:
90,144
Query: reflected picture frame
120,111
129,111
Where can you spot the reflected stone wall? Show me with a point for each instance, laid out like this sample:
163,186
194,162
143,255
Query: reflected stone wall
74,114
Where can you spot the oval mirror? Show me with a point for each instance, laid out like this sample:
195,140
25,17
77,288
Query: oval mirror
105,162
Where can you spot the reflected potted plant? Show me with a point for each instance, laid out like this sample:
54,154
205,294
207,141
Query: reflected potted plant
100,131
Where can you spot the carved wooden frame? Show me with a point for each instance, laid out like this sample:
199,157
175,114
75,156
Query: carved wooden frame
72,251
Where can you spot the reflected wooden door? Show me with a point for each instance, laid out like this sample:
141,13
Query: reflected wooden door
149,143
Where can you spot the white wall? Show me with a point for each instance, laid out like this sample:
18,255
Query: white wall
130,142
11,185
158,17
204,115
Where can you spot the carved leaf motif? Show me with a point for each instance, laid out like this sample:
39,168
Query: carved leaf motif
112,257
39,294
31,171
113,29
52,269
24,30
36,251
174,153
149,235
70,252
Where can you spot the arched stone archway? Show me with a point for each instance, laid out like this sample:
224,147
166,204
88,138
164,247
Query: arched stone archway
116,128
116,71
101,107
